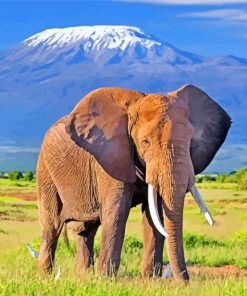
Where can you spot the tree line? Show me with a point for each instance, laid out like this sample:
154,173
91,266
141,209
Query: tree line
17,175
239,177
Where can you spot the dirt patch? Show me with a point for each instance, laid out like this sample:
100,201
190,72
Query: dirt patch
4,216
238,203
27,196
23,196
226,202
220,271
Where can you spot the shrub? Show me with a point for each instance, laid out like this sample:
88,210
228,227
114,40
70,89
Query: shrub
241,176
224,178
15,175
231,179
240,237
28,176
208,178
195,240
199,179
221,178
2,175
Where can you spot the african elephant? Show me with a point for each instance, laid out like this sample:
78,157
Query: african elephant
89,162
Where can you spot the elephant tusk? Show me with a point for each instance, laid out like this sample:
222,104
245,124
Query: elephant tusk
152,203
200,202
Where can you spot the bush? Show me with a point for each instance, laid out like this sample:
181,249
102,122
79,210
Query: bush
199,179
240,237
28,176
230,179
224,178
241,176
195,240
221,178
15,175
2,175
208,178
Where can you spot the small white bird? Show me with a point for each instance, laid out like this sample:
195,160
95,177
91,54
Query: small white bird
34,253
168,272
58,274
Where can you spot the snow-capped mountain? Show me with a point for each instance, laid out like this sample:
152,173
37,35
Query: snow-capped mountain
101,44
92,37
44,76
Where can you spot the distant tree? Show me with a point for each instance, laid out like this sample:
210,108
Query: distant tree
224,178
15,175
231,179
28,176
208,178
199,179
221,178
241,176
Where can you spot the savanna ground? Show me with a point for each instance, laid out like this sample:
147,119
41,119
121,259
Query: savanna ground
216,256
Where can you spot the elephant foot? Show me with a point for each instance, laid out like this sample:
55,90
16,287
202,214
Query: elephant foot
44,267
154,271
109,268
82,267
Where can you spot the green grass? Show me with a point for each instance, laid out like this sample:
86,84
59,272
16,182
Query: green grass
224,243
217,185
17,183
19,277
12,188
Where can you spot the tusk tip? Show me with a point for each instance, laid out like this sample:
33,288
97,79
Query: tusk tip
165,234
209,218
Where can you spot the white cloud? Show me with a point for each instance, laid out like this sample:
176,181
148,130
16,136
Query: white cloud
219,14
18,149
189,2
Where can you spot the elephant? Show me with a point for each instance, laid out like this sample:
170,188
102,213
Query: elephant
118,148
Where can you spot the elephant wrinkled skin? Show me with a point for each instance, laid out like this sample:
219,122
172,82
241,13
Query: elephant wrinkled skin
86,172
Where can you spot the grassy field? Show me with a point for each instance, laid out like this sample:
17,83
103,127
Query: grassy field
221,245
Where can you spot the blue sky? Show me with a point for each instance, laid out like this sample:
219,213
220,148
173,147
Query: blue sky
204,28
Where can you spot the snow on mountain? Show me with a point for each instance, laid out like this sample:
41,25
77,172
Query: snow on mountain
102,44
43,77
92,37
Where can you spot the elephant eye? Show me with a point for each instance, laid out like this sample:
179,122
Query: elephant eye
145,143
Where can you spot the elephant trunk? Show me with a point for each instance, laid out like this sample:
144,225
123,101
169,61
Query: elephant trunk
172,182
173,233
174,226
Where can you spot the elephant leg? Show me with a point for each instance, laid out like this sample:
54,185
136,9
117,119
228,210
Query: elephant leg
153,246
47,249
85,252
114,216
51,225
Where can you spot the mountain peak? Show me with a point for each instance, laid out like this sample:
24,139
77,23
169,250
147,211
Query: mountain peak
93,37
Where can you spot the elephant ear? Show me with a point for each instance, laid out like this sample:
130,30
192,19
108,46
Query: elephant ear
100,126
211,124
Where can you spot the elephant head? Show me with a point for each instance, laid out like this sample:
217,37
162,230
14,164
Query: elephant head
175,136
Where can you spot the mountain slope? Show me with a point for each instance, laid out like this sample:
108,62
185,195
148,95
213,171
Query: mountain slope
43,77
